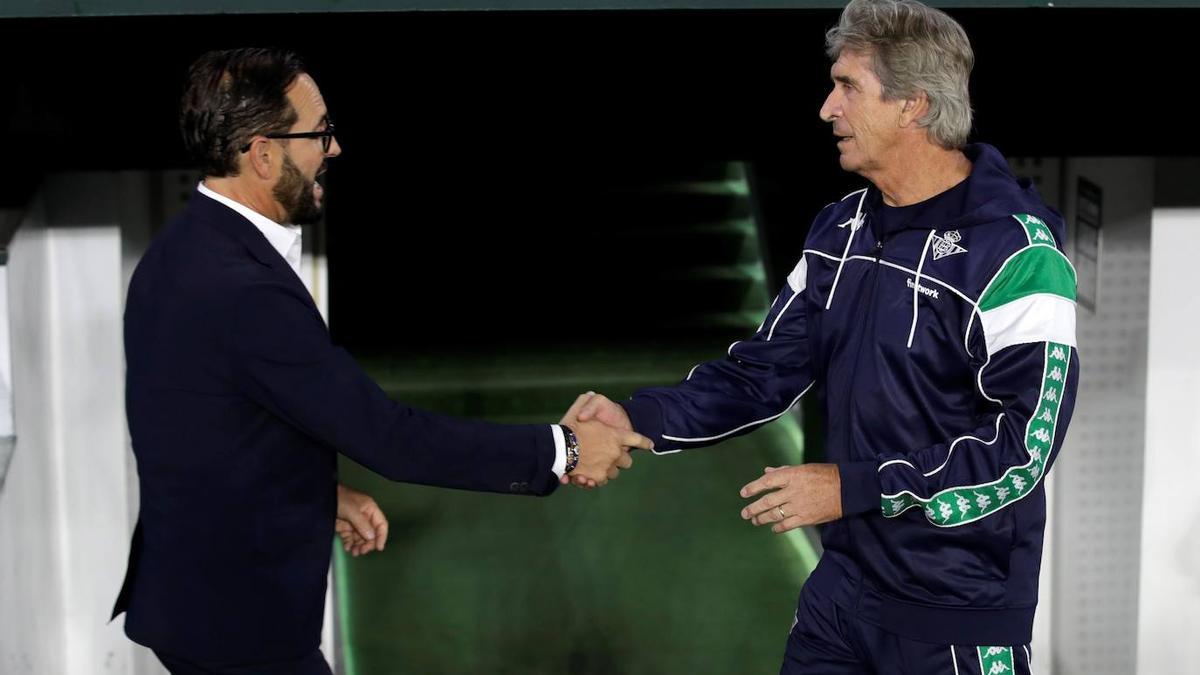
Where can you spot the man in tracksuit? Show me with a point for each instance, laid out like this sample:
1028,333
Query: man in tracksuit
933,315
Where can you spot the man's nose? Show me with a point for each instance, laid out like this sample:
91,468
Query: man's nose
830,108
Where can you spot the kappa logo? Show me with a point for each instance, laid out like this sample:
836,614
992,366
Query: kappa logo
855,223
947,245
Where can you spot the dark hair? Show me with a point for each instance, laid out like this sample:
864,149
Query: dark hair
232,96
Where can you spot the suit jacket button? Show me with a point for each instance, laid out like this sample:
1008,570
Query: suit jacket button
524,487
515,487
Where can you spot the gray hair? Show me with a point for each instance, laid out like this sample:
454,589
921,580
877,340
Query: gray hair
913,48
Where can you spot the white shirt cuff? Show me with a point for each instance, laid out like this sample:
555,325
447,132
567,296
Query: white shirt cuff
560,451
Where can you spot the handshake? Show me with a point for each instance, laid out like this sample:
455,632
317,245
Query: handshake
605,437
787,497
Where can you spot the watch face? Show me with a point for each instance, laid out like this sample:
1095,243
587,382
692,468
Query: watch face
572,448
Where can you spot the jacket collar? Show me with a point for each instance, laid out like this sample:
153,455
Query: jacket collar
235,226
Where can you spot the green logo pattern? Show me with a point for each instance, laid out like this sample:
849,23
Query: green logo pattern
1038,232
996,660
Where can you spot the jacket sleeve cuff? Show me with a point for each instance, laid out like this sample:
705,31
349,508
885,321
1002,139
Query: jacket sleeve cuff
645,414
545,479
860,487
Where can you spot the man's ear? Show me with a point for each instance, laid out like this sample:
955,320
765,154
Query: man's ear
260,157
914,108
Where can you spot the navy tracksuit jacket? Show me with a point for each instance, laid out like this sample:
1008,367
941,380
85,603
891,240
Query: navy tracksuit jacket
939,339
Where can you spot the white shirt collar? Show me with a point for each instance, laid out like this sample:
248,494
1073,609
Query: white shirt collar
285,239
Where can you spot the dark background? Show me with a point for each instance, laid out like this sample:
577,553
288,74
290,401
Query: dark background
481,148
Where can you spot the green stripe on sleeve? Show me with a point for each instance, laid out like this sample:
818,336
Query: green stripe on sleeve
965,504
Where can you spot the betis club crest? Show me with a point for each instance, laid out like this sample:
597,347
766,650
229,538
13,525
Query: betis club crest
947,244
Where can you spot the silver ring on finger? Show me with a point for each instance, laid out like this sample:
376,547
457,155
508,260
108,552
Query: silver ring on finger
782,515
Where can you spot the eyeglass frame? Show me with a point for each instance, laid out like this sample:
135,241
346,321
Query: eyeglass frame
326,136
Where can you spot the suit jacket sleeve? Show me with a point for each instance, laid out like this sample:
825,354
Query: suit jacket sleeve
285,361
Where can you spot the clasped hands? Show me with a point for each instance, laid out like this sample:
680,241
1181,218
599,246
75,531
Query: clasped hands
605,438
603,452
789,497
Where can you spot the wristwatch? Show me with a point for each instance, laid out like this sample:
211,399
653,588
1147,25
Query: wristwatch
572,444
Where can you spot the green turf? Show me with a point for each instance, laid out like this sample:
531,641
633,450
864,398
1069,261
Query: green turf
655,573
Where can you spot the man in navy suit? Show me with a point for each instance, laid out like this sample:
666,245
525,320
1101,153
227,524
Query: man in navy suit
238,402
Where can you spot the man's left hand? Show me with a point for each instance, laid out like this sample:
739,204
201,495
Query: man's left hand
809,494
360,522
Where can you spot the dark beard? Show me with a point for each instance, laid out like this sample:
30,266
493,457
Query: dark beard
295,194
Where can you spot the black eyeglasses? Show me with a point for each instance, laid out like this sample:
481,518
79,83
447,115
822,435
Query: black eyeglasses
326,136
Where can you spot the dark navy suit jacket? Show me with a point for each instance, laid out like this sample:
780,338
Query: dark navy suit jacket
238,403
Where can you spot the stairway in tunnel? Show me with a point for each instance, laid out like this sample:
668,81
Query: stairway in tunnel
655,573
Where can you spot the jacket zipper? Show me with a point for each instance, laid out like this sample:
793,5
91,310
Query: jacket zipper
868,325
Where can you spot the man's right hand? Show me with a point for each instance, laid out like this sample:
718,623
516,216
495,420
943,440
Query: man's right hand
602,409
603,448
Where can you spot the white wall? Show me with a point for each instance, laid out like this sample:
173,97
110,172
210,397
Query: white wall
1169,608
1098,478
64,523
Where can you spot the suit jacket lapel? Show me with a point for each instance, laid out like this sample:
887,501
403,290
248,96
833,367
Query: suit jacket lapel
237,227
